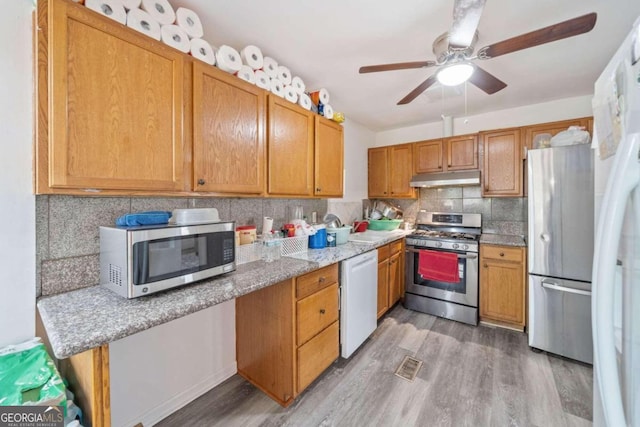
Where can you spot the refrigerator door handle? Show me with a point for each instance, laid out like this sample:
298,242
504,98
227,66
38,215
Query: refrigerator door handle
551,285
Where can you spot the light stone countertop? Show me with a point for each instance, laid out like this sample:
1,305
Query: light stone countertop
83,319
503,240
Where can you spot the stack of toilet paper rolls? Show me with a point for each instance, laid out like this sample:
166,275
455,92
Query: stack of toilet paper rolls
182,30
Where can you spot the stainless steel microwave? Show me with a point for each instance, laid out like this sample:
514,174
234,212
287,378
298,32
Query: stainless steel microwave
137,261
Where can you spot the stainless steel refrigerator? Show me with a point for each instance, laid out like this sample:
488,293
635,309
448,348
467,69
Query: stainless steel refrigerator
560,245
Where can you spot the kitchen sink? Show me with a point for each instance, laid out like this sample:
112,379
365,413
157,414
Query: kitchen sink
375,236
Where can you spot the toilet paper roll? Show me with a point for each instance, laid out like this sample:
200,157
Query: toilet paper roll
298,85
321,95
141,21
327,111
202,50
131,4
270,66
290,94
277,88
160,10
228,59
189,21
284,74
262,80
304,101
267,225
246,73
110,8
176,37
252,56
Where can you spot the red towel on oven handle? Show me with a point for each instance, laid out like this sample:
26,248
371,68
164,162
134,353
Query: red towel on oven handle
440,266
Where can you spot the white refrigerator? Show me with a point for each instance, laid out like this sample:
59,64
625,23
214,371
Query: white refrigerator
616,265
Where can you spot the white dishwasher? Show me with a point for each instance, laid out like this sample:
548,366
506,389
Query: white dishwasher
358,300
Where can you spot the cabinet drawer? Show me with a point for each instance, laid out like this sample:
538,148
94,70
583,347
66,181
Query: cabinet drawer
383,252
316,280
316,312
395,247
317,355
503,253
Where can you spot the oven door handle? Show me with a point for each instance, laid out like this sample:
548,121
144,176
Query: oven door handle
470,256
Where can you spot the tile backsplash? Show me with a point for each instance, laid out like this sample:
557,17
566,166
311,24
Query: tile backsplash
67,229
501,215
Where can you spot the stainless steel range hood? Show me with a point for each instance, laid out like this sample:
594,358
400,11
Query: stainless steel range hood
446,179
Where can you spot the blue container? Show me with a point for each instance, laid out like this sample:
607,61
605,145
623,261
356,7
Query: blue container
318,240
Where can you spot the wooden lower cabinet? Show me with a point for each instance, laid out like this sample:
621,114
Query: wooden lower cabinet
503,285
287,334
390,275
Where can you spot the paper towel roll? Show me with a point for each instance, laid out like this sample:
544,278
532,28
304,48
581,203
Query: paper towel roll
189,21
262,80
246,73
252,56
160,10
270,66
284,74
228,59
304,101
175,37
110,8
327,111
277,88
141,21
298,85
267,225
290,94
202,50
131,4
321,95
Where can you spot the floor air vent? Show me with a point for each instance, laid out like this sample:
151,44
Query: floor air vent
409,368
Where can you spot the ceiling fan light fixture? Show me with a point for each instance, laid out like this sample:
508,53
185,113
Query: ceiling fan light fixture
455,74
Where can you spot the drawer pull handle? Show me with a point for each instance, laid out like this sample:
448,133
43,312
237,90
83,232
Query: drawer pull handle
321,279
322,311
501,253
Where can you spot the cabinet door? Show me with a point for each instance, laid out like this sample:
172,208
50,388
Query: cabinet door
427,156
290,149
502,290
400,170
462,152
553,128
383,287
329,158
229,137
378,172
395,271
115,106
317,355
502,164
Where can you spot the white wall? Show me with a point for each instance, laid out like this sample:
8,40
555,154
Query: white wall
357,139
17,213
561,109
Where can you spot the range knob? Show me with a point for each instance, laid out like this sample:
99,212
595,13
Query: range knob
438,244
455,246
465,247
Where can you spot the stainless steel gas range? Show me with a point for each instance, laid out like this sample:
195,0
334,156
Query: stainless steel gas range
456,234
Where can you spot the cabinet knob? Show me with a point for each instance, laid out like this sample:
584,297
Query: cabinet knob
384,192
501,253
322,311
318,189
321,279
201,181
485,265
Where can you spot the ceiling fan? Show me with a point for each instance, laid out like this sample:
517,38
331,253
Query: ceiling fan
454,49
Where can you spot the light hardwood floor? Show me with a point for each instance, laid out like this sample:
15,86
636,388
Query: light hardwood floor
471,376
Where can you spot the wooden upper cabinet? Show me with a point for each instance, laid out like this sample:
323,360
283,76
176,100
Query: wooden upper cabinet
462,152
428,156
529,133
400,170
290,149
502,163
329,158
113,102
228,133
378,168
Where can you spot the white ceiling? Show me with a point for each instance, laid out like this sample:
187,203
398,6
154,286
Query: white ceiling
325,43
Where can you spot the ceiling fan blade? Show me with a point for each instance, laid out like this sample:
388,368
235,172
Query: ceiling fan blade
417,91
486,81
466,17
572,27
397,66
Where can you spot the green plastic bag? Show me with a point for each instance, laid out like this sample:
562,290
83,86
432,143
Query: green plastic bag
28,376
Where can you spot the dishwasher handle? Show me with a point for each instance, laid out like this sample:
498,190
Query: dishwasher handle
554,286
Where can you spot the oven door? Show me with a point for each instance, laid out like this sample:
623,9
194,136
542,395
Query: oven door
465,291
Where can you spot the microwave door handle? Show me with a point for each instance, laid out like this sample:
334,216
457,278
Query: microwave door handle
469,256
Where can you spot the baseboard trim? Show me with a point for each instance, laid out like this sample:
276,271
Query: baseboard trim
180,400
